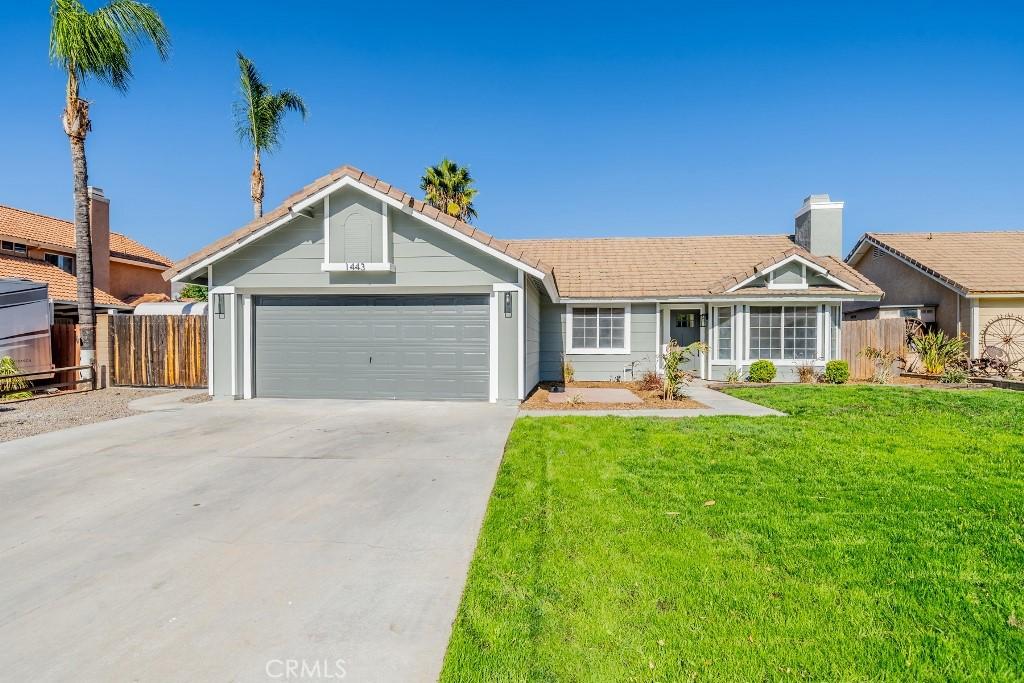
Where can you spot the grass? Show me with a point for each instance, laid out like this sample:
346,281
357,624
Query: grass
875,533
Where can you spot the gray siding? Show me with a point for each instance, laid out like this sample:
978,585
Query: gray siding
423,256
508,348
221,350
532,335
596,367
356,227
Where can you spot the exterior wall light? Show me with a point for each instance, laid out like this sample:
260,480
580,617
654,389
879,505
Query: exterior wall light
508,304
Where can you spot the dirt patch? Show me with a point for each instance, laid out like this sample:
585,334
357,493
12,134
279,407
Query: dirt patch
197,398
538,399
53,413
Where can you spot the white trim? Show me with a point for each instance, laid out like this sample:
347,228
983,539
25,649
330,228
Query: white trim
213,258
209,337
806,264
1004,295
816,297
747,358
247,366
522,336
657,337
818,205
505,287
140,264
627,329
385,229
234,345
357,267
223,289
327,230
493,350
975,327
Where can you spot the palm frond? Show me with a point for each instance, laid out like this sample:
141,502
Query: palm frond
100,44
260,112
449,188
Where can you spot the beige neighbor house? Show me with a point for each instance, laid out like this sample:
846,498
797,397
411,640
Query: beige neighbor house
959,282
352,288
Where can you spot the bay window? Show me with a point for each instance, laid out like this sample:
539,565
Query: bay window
784,332
598,329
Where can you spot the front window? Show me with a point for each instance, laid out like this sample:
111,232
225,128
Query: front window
784,332
598,328
65,263
723,334
837,326
16,247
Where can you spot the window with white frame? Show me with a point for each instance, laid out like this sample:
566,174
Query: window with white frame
784,332
598,328
62,261
723,333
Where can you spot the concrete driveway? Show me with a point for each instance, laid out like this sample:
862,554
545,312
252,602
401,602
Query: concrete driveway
249,541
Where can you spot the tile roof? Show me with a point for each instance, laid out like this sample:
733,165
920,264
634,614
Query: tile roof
373,183
37,228
975,262
63,287
612,267
672,266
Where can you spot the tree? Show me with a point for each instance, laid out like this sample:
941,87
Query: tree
194,292
258,117
96,45
449,187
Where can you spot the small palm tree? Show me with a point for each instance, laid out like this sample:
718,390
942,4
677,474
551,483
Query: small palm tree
96,45
258,122
449,187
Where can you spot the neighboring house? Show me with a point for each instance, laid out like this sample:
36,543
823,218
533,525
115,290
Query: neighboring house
958,281
354,289
41,248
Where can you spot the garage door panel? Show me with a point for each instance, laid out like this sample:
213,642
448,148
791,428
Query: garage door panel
372,347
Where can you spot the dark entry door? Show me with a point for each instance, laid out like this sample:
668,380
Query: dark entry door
684,328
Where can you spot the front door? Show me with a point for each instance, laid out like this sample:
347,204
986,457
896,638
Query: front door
684,328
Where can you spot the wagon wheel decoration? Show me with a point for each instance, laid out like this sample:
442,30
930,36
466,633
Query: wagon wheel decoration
915,329
1003,340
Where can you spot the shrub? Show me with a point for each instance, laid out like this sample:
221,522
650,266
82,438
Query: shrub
806,373
936,351
733,376
194,292
883,360
12,388
649,381
837,372
568,371
675,376
762,371
954,375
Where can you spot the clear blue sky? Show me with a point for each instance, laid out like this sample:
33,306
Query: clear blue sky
581,119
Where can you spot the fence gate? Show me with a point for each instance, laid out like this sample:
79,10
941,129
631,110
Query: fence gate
158,350
65,351
887,334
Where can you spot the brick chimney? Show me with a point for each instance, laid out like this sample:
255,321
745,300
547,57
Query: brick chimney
99,225
819,226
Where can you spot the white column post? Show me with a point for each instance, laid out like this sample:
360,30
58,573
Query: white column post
247,379
209,331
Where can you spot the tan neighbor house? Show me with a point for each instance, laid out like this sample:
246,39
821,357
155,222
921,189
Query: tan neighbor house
42,248
959,281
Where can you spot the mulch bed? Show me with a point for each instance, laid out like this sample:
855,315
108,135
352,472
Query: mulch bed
538,399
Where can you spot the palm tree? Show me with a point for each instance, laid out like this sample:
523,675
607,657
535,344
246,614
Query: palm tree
449,187
96,45
258,122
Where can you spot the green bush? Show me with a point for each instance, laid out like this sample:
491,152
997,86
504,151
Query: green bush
837,372
954,375
762,371
12,388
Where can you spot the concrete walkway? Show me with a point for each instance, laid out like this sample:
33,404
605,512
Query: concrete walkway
220,541
717,404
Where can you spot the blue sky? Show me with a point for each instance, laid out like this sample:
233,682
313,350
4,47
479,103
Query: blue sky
583,119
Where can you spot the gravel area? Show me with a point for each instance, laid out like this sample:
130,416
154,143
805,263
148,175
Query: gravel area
197,398
53,413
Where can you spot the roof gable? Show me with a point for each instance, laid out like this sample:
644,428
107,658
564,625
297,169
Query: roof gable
968,262
348,176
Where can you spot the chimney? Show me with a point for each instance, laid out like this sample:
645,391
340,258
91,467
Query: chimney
819,226
99,226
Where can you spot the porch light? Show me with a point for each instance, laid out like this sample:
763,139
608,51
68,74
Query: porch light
508,304
219,305
703,319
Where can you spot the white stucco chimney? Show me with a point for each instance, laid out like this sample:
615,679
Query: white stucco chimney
819,226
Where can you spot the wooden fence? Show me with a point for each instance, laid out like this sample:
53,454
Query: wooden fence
887,334
158,350
64,350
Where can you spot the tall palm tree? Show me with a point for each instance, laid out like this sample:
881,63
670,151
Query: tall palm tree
258,122
449,187
96,45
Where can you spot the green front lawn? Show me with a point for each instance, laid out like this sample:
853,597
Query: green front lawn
874,533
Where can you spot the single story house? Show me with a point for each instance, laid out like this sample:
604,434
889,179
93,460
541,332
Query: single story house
42,248
352,288
958,281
